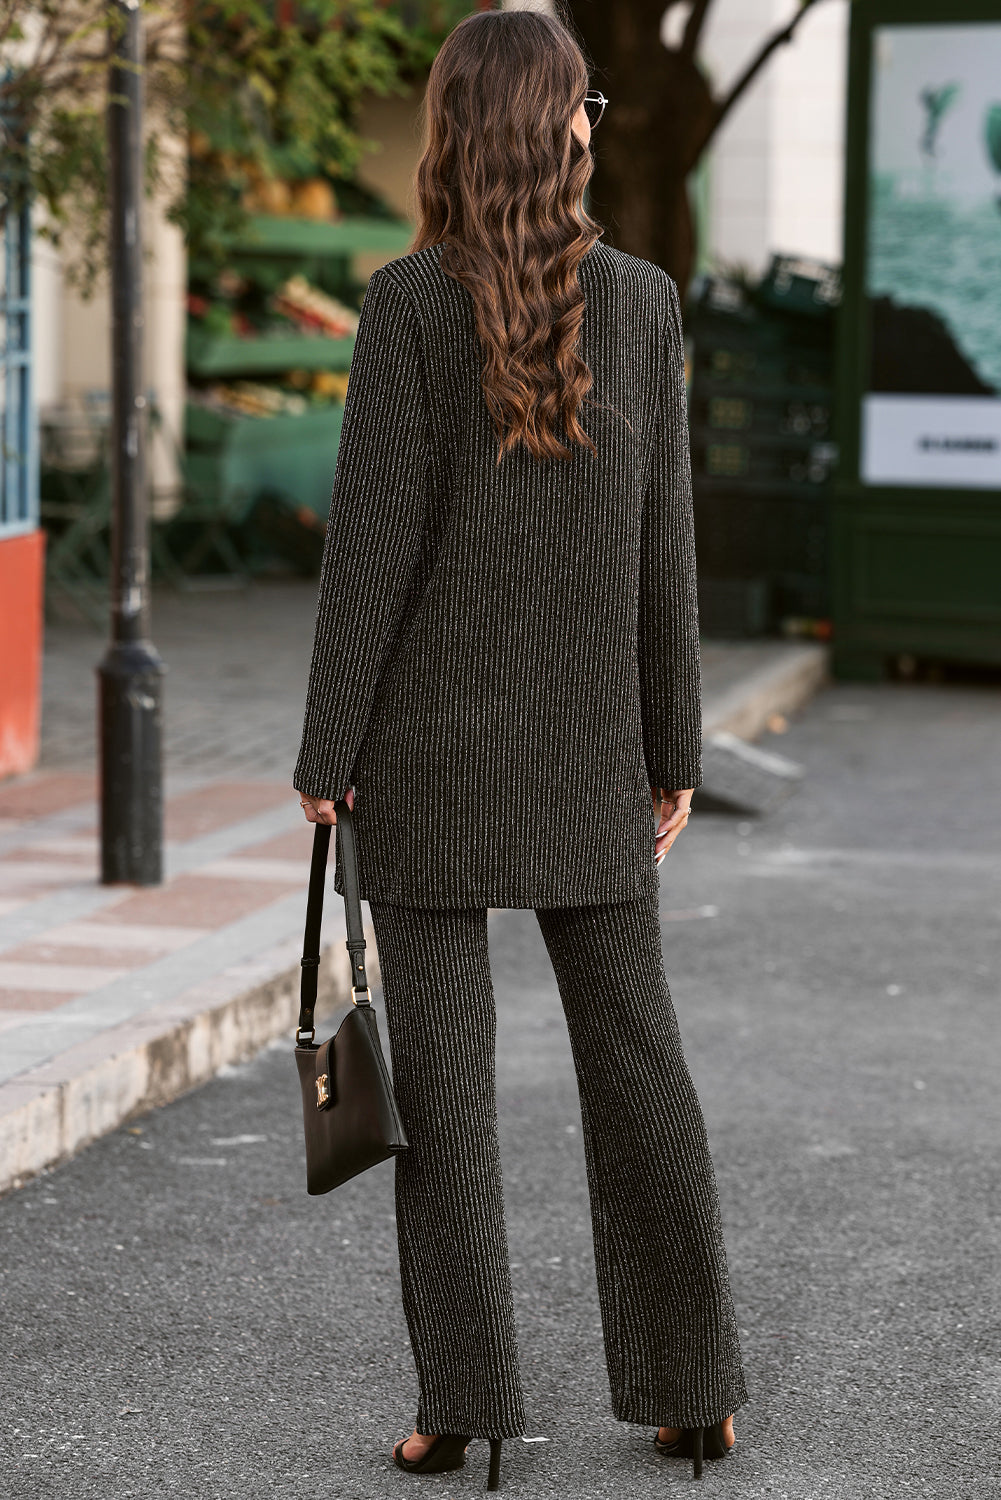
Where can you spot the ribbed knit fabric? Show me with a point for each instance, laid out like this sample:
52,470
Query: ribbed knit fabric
500,651
670,1334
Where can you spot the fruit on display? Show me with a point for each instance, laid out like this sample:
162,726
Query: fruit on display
330,384
313,199
315,311
309,198
230,308
268,195
298,392
249,398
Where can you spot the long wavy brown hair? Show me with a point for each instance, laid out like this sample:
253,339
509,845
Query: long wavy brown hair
501,186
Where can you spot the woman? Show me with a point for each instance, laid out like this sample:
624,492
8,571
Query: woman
505,672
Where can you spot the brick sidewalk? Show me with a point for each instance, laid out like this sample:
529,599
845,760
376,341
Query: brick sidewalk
114,998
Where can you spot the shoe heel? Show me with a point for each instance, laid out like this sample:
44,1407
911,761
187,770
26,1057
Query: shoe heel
698,1433
493,1477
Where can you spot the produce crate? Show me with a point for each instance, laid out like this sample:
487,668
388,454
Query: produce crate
730,607
779,462
739,531
736,362
762,444
798,285
783,540
801,595
783,410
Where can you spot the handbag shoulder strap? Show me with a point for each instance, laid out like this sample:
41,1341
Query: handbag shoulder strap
314,915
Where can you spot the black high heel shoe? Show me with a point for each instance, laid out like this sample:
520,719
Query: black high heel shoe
448,1452
695,1443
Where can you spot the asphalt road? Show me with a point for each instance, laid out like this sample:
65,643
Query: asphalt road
179,1319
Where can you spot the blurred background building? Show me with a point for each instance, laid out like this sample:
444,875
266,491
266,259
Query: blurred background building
250,321
772,181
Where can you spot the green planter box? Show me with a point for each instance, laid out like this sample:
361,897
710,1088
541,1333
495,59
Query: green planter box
915,574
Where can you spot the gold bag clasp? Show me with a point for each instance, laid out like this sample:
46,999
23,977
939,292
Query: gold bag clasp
322,1090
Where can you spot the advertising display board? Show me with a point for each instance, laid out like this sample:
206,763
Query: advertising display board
932,412
916,555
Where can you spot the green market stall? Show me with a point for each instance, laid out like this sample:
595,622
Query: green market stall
762,447
266,391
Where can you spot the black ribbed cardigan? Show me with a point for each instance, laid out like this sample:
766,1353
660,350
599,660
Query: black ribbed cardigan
506,658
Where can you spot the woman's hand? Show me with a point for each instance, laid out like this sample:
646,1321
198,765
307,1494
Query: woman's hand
317,810
672,809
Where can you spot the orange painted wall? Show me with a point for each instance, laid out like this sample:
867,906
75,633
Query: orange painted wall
21,574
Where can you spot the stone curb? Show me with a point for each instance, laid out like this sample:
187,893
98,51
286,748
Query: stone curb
782,688
51,1112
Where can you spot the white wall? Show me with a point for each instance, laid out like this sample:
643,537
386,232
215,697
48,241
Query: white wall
809,133
72,347
776,169
71,341
46,322
741,166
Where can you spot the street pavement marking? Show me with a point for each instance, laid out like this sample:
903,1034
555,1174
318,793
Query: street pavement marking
197,853
30,919
19,833
10,1018
795,860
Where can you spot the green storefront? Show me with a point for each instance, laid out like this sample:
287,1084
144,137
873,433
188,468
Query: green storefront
917,506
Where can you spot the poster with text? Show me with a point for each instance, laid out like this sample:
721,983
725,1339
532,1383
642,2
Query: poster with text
932,412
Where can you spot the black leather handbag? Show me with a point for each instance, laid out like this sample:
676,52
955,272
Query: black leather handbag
348,1107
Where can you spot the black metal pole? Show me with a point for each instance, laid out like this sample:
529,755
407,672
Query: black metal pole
130,674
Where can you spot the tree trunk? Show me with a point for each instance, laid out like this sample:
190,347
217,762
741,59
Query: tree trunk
660,114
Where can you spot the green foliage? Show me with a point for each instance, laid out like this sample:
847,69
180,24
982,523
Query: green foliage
262,88
52,68
265,100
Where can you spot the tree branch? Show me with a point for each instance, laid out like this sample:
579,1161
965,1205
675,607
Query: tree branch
754,67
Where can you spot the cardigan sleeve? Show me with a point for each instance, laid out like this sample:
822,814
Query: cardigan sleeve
670,672
374,533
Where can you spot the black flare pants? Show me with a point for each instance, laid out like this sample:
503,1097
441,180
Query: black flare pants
668,1321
